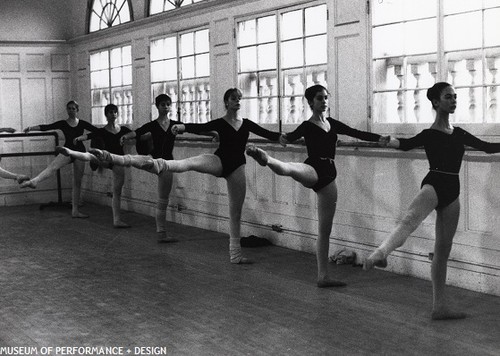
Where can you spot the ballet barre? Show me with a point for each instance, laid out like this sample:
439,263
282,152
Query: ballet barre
39,153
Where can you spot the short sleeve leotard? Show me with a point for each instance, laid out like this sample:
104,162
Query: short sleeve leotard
232,142
321,147
70,132
163,140
110,141
444,153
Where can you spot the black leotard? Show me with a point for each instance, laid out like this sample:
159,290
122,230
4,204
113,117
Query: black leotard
70,133
110,141
163,140
445,152
232,142
321,147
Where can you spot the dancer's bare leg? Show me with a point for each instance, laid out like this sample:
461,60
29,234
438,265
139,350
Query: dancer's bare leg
327,200
165,180
423,204
58,162
236,187
327,203
446,226
78,170
118,181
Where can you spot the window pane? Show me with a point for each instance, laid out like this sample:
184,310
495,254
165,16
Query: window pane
202,44
491,3
316,50
248,83
187,67
187,44
315,20
155,6
492,27
462,31
420,37
455,6
127,75
465,68
266,29
291,25
248,59
99,79
388,41
203,65
116,57
267,56
126,55
247,33
116,77
292,54
384,12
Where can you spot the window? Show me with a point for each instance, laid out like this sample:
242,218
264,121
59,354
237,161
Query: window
107,13
276,66
111,83
158,6
180,68
418,43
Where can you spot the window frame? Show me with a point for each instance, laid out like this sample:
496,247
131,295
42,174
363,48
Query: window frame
178,104
110,84
281,95
90,10
409,129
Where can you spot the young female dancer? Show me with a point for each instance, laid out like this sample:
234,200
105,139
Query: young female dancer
227,162
444,147
318,172
108,138
72,127
159,132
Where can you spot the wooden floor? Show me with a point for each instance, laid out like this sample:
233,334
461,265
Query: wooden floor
73,282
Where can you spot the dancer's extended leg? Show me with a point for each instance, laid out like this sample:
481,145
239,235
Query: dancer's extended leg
419,209
236,187
82,156
78,170
165,179
58,162
118,181
446,226
301,172
327,201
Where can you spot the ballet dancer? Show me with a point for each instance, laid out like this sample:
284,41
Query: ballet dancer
440,189
108,138
318,172
159,133
71,128
227,162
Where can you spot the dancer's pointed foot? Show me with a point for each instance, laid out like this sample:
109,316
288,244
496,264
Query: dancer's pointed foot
79,215
329,283
446,314
258,154
21,178
120,225
62,150
102,155
28,184
242,261
376,259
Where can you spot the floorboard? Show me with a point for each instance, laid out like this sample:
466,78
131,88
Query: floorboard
80,282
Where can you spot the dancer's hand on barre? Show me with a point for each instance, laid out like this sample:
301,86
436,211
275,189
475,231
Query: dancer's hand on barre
7,129
283,140
83,137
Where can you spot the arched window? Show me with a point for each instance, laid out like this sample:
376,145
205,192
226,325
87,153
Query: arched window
107,13
158,6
